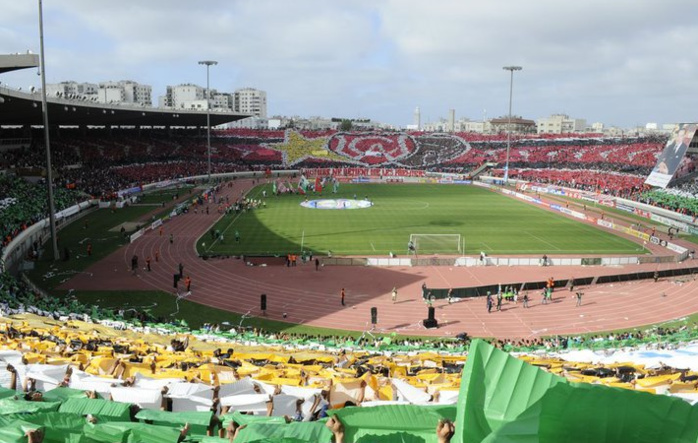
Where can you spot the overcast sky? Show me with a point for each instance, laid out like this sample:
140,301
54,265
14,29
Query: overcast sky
620,62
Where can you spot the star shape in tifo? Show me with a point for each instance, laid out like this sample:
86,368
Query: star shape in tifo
296,148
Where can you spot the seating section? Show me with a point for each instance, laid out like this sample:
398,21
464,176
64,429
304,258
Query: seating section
102,375
683,200
147,382
24,203
607,182
100,162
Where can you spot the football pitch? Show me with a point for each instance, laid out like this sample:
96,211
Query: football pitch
485,220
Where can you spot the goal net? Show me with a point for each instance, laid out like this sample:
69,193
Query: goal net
435,243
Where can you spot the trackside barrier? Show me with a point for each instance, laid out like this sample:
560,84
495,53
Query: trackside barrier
654,259
433,261
345,261
18,249
498,261
372,261
534,261
616,261
532,287
136,235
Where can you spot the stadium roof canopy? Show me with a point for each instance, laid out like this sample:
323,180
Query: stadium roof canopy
13,62
19,108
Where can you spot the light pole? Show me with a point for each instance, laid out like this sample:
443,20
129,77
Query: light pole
208,64
44,108
511,69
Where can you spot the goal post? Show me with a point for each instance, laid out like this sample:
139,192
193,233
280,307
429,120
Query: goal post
435,244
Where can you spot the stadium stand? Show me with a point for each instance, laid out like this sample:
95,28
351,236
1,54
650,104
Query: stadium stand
115,376
144,384
100,162
24,204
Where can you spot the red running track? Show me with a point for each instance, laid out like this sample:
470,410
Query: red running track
312,297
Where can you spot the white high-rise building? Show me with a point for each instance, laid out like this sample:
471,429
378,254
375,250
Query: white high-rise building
71,90
184,96
124,91
137,93
250,101
222,100
417,119
560,124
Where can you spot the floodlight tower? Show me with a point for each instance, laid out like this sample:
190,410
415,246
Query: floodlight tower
44,109
208,64
511,69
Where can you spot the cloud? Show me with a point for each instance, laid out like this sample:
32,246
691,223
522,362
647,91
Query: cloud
624,62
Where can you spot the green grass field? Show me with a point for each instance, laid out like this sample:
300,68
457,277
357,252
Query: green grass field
163,195
489,206
485,220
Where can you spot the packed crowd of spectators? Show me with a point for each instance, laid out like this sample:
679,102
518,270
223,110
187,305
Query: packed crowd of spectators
101,162
132,366
213,381
607,182
24,203
18,298
684,201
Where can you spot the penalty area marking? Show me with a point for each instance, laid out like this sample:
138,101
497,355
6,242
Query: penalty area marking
542,240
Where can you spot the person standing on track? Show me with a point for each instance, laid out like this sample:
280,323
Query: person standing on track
393,294
187,283
342,296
